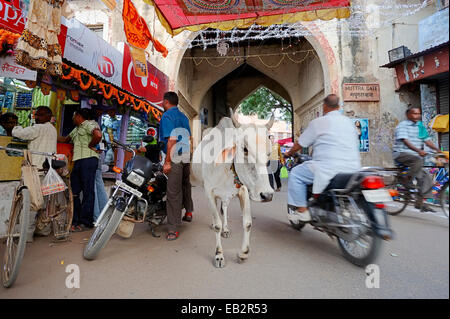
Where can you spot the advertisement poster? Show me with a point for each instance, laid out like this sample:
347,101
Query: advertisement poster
84,48
362,127
152,87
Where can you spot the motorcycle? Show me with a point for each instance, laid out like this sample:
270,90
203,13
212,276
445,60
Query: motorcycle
352,209
138,198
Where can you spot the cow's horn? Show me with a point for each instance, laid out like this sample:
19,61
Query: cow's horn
233,118
270,123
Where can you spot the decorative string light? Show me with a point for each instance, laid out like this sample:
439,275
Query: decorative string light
199,60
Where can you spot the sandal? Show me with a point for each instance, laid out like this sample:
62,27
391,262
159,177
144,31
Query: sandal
187,217
172,235
76,229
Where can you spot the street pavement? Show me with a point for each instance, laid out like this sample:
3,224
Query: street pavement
283,262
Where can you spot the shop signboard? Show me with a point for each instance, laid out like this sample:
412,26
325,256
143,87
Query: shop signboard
13,15
152,87
10,69
84,48
421,67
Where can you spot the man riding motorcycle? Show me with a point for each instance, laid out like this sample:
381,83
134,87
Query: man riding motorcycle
334,140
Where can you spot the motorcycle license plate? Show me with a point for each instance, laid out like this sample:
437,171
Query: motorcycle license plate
377,195
128,188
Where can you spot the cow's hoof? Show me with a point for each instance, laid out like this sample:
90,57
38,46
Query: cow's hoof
241,257
219,261
226,234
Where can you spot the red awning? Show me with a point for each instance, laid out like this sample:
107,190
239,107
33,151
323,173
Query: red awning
285,141
196,15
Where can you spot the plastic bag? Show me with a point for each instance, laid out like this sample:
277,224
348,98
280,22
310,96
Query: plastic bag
440,123
52,183
32,181
284,172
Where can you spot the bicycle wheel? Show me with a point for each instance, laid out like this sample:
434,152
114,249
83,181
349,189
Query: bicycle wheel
400,201
17,236
443,199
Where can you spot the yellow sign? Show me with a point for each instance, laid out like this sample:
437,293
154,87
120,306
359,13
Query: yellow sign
139,61
111,4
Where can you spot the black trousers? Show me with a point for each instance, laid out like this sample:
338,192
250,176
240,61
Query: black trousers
277,177
82,180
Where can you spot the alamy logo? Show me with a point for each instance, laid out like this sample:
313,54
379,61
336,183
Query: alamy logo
373,276
73,279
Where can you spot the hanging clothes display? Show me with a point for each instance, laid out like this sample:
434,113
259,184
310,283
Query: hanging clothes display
38,47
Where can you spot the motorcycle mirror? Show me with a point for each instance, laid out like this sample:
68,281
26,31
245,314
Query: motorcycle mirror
148,139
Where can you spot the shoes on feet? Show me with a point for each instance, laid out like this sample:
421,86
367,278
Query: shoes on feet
296,216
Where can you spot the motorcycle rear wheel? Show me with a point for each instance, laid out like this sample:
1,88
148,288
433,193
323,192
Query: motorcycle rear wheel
371,252
103,232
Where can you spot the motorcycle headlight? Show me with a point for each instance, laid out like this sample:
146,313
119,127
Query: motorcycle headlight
135,179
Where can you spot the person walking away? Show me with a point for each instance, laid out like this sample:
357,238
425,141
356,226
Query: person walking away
335,145
85,136
409,150
276,161
42,137
101,197
175,133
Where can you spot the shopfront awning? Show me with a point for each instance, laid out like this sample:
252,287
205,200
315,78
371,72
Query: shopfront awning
195,15
421,66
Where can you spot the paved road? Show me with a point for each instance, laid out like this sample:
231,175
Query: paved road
283,263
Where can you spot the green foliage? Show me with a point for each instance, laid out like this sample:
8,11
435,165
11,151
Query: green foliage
263,102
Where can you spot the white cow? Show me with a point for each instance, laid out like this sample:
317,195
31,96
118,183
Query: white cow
231,160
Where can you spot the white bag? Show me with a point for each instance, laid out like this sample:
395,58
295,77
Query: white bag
53,183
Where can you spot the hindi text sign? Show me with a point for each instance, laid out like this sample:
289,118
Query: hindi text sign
361,92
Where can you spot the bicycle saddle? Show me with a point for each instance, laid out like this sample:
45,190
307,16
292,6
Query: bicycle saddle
55,164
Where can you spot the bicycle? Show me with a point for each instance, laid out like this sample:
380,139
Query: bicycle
403,195
58,210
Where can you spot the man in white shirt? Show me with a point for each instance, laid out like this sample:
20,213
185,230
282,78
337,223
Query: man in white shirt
334,140
42,136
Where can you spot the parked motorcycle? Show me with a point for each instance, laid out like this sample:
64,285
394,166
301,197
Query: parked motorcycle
351,209
137,198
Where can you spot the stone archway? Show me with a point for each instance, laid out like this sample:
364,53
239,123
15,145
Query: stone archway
302,79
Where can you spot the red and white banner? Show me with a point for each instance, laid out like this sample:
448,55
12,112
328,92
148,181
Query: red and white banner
13,15
10,69
84,48
151,88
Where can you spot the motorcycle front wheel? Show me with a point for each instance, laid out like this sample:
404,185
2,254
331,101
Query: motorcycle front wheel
103,232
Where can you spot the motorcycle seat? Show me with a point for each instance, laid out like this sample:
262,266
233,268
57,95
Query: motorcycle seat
339,182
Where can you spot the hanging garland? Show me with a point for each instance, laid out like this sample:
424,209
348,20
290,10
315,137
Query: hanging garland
87,81
7,42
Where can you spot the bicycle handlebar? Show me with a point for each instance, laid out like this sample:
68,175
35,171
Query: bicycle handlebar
21,151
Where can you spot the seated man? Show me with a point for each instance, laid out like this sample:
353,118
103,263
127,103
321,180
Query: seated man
335,144
408,150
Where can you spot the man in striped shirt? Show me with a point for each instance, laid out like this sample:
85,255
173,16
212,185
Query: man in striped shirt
409,151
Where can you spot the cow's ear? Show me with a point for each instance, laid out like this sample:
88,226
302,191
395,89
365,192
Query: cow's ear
226,156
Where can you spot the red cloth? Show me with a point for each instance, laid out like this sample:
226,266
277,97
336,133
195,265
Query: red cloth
182,13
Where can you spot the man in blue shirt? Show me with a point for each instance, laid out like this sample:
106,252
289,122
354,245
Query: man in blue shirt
409,150
175,133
